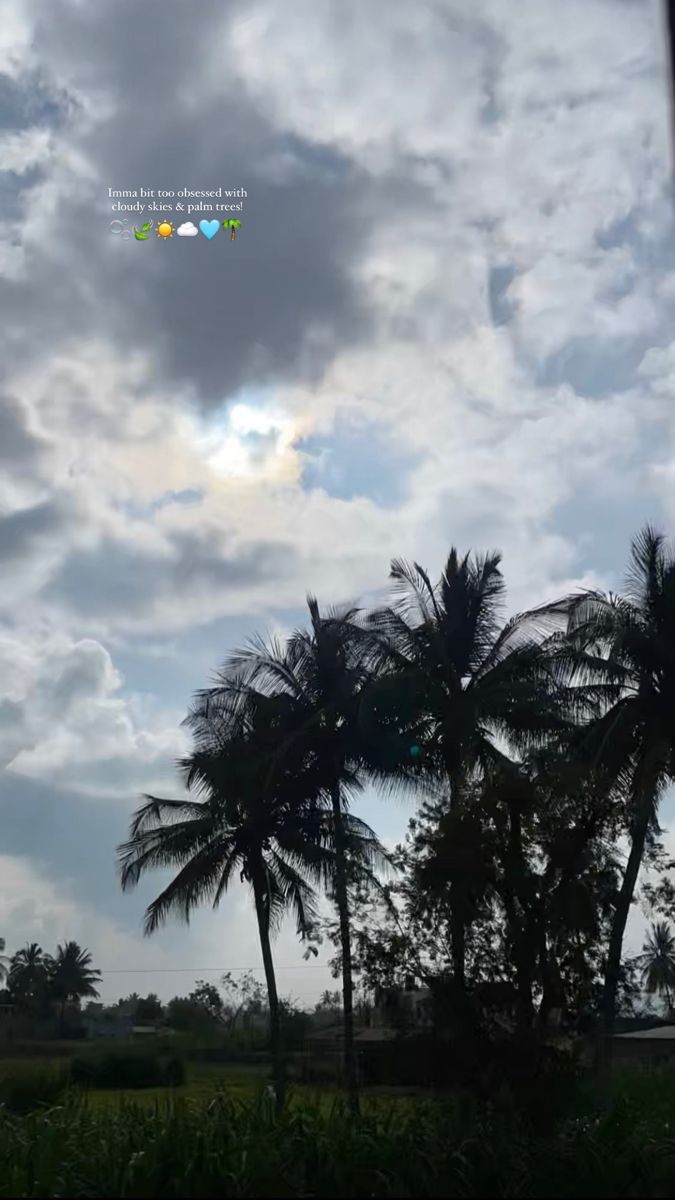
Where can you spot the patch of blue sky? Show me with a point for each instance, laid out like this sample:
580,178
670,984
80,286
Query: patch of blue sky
186,497
358,460
595,366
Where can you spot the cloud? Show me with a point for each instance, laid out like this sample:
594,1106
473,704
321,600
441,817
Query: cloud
449,321
187,229
64,716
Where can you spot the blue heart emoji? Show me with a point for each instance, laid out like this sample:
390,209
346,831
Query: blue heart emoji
209,228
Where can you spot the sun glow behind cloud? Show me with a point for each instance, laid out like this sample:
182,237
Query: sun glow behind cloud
250,441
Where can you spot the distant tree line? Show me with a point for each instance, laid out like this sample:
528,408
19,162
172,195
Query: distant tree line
40,985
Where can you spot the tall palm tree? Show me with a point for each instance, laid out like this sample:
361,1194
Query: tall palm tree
244,820
28,976
622,650
4,961
658,963
317,679
459,688
72,976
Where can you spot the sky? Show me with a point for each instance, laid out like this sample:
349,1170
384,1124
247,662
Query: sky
446,319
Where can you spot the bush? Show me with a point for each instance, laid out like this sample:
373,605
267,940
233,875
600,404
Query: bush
174,1072
25,1087
316,1070
126,1069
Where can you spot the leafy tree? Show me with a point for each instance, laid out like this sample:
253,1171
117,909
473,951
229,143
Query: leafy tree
244,996
186,1016
534,847
328,1002
149,1008
207,996
621,649
295,1023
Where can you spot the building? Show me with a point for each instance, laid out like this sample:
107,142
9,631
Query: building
644,1047
410,1007
105,1026
386,1038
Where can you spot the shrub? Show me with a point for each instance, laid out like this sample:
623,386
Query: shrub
25,1087
174,1072
317,1070
126,1069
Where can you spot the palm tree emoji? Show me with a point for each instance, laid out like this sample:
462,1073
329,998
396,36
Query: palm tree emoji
232,224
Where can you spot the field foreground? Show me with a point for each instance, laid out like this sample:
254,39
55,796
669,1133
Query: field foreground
198,1142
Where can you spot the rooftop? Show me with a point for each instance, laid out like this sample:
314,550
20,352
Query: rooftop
660,1032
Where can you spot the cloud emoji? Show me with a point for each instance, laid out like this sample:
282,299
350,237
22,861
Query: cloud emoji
187,229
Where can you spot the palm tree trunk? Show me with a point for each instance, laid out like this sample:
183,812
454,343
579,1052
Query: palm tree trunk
522,957
522,947
272,994
457,922
624,901
342,901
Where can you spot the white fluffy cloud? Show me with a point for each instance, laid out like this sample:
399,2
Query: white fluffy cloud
64,717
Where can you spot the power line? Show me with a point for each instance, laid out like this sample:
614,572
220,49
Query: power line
202,970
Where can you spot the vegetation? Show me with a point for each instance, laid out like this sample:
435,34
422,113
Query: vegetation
126,1069
621,649
537,748
39,984
234,1147
258,812
658,963
535,745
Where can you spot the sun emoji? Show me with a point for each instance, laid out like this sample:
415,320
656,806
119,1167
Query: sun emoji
164,229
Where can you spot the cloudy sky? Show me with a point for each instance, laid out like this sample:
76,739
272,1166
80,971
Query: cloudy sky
447,318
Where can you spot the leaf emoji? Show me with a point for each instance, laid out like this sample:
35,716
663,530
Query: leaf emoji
146,227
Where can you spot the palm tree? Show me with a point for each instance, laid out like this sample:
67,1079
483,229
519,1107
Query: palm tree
72,976
658,963
243,820
457,688
317,680
621,650
28,976
4,961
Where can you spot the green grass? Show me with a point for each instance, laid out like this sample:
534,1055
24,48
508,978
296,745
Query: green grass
240,1081
203,1081
239,1148
218,1136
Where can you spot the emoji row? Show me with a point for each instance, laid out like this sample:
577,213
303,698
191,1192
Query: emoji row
165,229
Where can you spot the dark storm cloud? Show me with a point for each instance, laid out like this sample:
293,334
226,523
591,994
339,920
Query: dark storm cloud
115,578
219,314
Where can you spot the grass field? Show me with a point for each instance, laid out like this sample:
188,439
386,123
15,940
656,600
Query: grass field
218,1135
195,1143
241,1082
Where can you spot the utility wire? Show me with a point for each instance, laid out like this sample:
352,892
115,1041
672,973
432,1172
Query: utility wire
202,970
